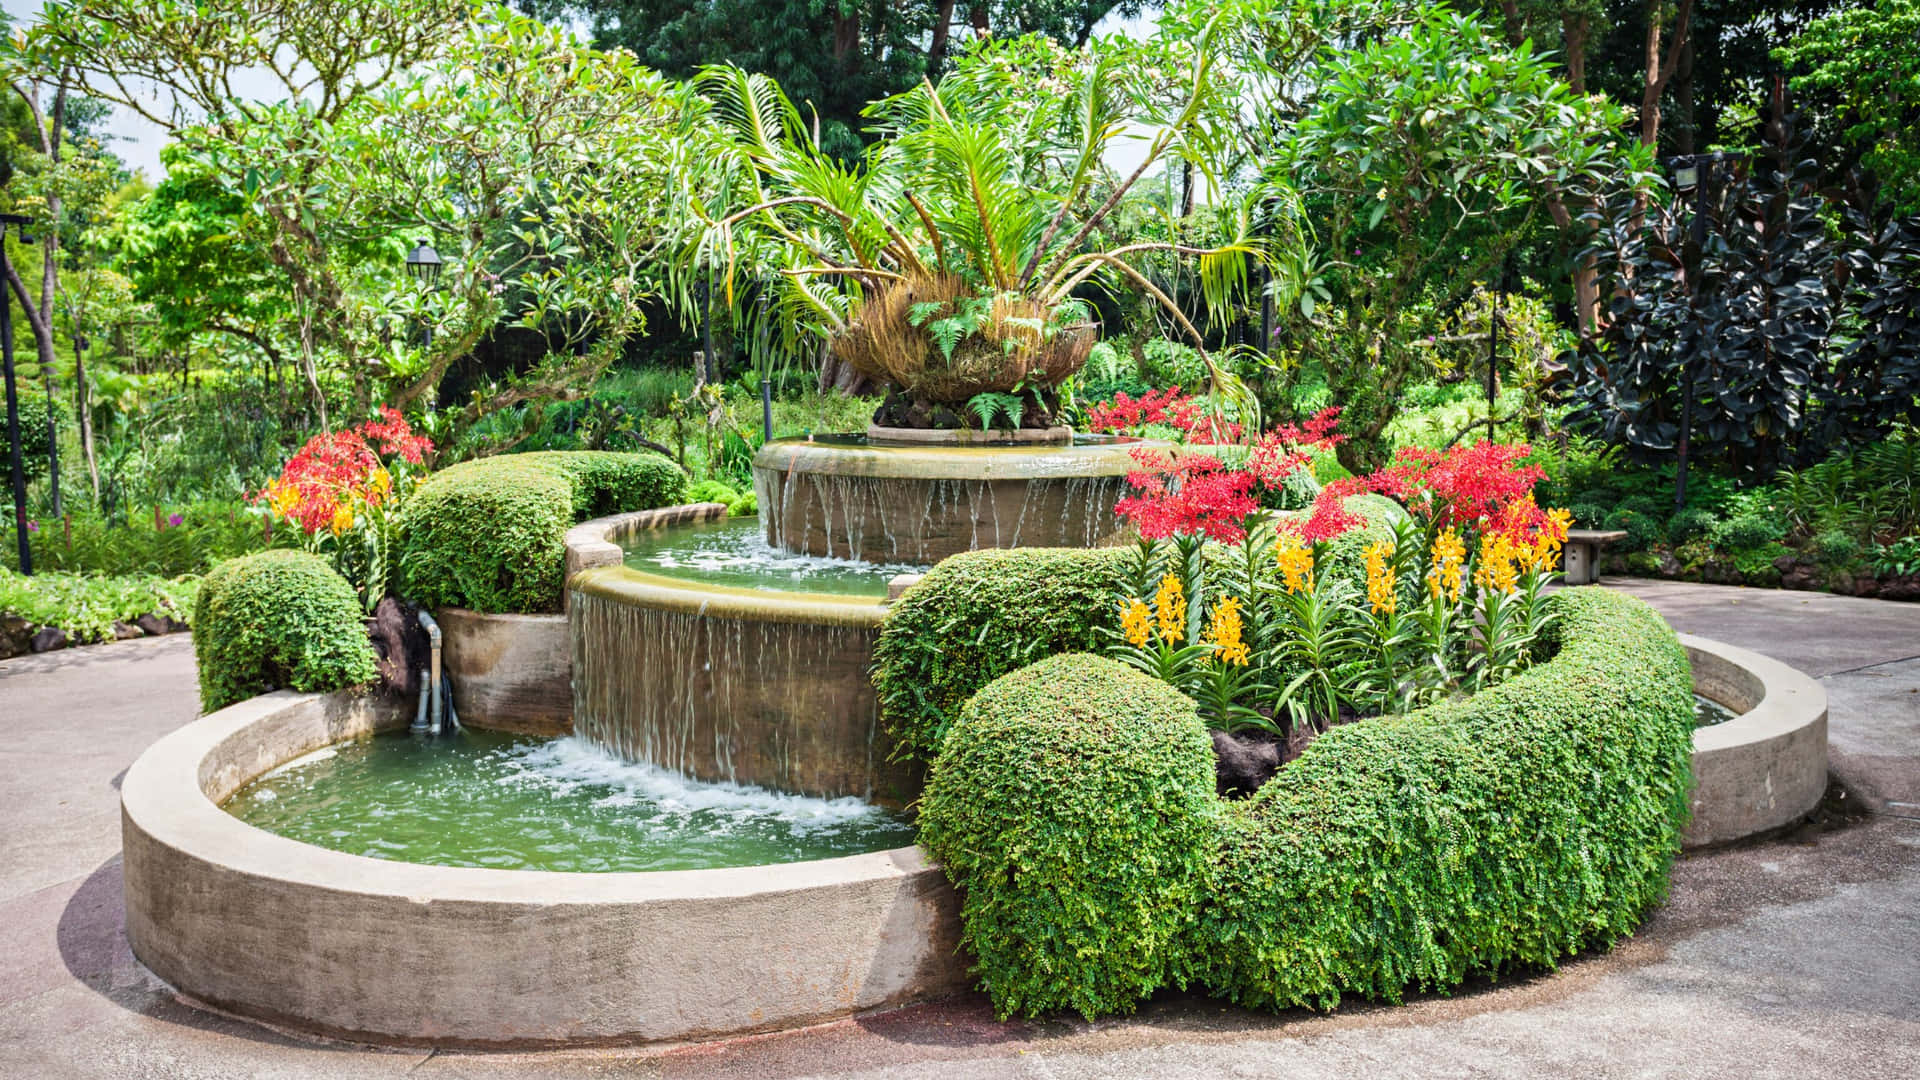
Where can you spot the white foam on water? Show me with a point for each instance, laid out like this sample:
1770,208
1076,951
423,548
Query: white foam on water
568,763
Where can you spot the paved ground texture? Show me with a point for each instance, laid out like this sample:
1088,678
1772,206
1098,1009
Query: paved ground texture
1797,956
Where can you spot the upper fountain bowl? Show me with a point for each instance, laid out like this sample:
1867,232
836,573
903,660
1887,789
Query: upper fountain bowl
847,496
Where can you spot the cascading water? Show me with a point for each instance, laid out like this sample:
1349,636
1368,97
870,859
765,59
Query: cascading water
726,693
747,663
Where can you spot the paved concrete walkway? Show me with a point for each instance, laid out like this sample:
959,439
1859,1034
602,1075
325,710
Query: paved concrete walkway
1799,956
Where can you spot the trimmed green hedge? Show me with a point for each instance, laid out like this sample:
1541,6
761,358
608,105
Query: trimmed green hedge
277,619
1078,894
1517,827
490,534
977,616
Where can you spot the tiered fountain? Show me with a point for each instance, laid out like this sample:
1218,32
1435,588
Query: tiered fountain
739,650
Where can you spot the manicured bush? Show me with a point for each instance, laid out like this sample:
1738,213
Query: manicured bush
1072,804
1642,527
1834,548
277,619
1530,821
1508,830
1748,532
490,534
977,616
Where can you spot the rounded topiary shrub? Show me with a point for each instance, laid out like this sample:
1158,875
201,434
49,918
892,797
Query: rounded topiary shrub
277,619
490,534
977,616
1072,805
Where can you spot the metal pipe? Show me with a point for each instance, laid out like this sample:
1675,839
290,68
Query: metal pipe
433,670
420,715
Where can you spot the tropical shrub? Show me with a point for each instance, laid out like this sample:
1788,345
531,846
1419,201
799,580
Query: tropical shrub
490,534
946,262
277,619
977,616
1510,829
1072,805
1535,819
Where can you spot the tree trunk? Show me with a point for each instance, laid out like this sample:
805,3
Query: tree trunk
1660,66
1574,33
942,30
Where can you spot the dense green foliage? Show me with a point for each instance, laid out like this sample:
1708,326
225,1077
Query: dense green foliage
87,606
277,619
1072,804
34,430
1864,64
977,616
490,534
1510,829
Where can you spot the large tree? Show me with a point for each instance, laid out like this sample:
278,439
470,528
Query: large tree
831,57
1428,155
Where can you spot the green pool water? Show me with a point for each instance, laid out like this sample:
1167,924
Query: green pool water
734,552
1708,712
509,802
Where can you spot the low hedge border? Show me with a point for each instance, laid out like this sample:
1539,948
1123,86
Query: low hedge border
1512,829
277,619
490,534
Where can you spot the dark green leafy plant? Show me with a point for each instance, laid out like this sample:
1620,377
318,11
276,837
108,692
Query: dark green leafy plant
277,619
1072,805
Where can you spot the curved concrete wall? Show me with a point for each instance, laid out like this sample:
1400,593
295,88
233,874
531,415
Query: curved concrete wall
1767,766
270,928
514,672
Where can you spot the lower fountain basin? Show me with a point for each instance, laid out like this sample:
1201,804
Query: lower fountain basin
517,802
839,496
374,950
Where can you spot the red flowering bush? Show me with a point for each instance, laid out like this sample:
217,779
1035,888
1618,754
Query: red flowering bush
1282,632
342,489
1188,494
1170,408
1461,487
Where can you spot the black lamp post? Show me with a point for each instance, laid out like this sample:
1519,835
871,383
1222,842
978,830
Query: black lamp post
16,465
424,264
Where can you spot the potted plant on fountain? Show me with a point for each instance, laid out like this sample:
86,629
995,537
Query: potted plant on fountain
948,263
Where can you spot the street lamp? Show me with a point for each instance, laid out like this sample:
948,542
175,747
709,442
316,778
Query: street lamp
16,465
424,264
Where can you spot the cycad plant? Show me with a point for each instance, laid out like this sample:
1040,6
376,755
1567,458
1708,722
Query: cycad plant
949,260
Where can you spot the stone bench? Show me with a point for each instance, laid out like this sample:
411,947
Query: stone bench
1581,561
